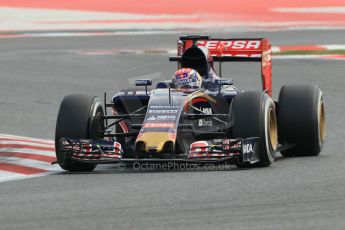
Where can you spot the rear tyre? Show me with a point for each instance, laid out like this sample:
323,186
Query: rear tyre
301,119
78,117
254,115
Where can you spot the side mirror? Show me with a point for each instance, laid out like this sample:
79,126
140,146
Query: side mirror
142,82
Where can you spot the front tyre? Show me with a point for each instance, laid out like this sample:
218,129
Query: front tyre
301,119
254,115
78,117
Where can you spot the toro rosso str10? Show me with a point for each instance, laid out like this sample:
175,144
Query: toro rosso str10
215,123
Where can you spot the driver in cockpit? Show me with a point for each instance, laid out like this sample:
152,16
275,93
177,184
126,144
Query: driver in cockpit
187,80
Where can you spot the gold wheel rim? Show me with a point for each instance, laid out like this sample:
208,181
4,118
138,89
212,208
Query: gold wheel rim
322,122
273,129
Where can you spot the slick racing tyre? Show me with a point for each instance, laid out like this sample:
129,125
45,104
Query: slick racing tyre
254,115
301,119
78,117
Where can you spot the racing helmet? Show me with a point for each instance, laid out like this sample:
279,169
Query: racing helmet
187,79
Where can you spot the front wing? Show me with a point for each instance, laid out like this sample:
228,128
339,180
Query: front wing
201,152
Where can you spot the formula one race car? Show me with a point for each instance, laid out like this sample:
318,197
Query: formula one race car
213,123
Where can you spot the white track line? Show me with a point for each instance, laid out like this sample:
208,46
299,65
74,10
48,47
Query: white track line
318,10
26,138
9,176
31,163
26,143
334,47
29,151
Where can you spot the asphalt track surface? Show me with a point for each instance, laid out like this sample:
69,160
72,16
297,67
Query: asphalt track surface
294,193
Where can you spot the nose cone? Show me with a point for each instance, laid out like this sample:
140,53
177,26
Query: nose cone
155,141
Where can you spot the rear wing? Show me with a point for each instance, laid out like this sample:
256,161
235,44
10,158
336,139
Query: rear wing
233,50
